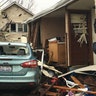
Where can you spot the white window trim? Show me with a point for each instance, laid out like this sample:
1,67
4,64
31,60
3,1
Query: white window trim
17,28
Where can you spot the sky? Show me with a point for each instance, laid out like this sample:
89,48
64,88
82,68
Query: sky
43,4
37,7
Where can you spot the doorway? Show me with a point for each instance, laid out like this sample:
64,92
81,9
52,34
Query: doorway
80,49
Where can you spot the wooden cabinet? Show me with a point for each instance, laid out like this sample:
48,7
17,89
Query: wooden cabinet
57,51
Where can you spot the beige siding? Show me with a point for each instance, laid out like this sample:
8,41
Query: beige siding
2,22
15,11
51,27
16,14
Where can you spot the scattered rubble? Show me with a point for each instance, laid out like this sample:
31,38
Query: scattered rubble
79,82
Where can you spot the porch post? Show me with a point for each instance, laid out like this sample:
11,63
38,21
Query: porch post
67,37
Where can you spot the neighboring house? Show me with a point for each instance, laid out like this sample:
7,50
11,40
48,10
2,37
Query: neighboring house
72,20
12,18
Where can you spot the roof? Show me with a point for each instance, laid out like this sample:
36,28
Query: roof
55,7
17,4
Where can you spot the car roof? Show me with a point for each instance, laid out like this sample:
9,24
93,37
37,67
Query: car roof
13,43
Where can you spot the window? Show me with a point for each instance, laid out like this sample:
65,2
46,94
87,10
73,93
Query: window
25,27
14,50
13,27
20,27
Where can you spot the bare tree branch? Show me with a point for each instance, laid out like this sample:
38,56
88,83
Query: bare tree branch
21,2
30,4
17,1
3,3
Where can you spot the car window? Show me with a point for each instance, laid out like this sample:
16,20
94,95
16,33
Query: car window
13,50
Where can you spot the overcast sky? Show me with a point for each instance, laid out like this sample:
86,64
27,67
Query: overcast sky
38,5
43,4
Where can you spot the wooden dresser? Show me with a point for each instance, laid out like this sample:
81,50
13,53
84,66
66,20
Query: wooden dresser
57,51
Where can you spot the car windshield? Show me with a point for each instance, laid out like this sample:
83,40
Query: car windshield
13,50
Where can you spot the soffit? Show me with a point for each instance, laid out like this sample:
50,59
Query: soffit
76,5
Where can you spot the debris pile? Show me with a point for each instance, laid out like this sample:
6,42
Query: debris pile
79,82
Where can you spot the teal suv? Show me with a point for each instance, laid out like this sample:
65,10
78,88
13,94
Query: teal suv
18,66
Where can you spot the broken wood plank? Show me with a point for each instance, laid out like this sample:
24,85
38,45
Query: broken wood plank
49,93
70,89
49,87
77,82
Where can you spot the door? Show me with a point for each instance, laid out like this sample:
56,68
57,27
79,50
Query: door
80,39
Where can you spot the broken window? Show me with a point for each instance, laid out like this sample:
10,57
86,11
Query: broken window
13,27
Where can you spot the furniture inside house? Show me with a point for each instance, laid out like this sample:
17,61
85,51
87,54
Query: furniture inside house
57,52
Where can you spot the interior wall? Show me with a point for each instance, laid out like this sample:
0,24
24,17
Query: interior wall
51,27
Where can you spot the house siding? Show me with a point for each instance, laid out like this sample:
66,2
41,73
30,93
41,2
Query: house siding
16,14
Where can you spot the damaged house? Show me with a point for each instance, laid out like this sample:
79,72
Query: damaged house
11,25
66,32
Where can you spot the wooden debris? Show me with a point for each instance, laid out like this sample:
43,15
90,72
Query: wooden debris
71,89
49,87
49,93
77,82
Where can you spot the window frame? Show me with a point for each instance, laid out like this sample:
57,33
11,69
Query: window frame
19,27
